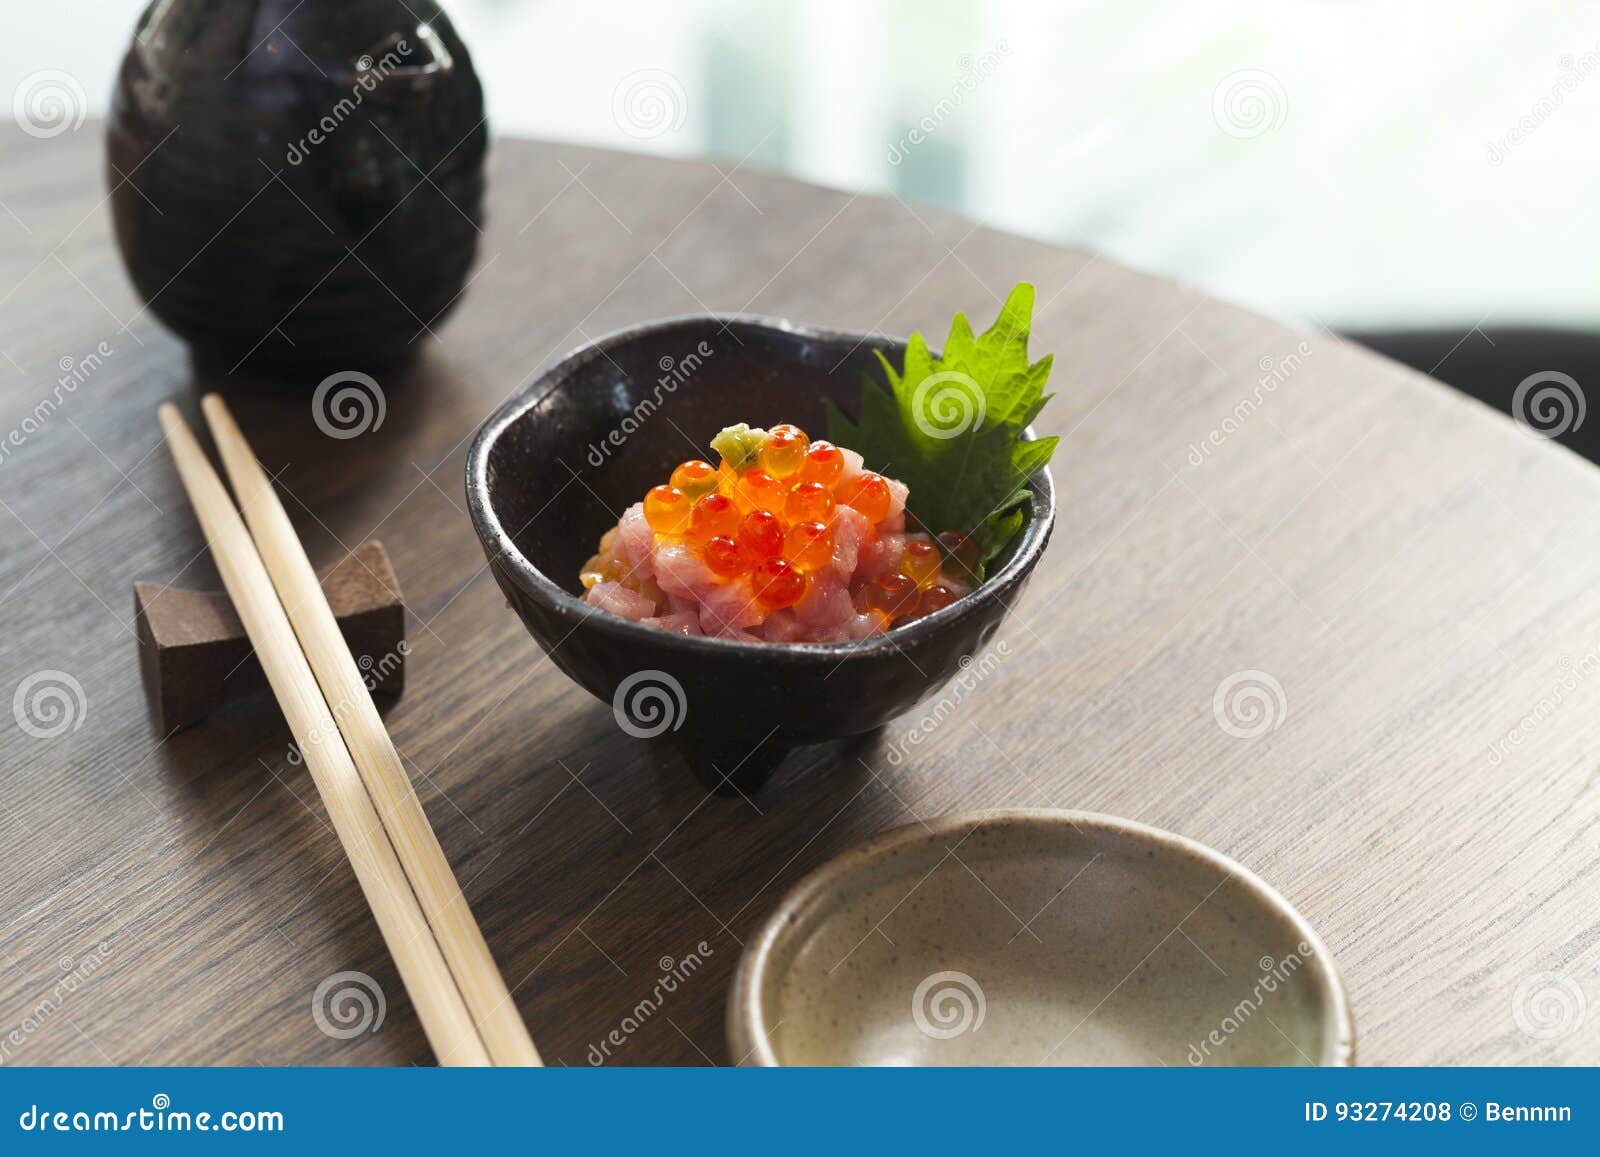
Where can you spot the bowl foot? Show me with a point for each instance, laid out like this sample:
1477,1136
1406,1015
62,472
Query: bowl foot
729,769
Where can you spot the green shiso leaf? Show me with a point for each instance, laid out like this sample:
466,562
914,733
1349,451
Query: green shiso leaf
950,427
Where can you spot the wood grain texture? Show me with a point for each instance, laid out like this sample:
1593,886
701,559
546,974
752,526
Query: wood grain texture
1413,571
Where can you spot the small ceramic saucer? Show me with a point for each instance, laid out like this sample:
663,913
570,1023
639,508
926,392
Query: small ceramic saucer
1036,938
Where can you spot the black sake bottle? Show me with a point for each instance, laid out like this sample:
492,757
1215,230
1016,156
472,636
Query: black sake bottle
298,186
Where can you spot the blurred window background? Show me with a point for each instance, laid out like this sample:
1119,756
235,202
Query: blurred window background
1366,166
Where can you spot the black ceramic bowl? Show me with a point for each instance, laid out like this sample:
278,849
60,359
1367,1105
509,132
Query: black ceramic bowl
556,465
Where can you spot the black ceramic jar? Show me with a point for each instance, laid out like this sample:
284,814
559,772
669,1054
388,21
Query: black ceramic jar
298,185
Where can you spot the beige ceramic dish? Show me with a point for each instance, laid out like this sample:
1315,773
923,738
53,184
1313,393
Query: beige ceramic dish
1036,938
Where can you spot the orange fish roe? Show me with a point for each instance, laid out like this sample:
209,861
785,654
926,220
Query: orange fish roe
868,493
723,556
809,502
695,478
761,535
777,584
893,594
785,539
784,451
824,463
667,510
936,598
961,553
920,563
809,546
714,515
762,491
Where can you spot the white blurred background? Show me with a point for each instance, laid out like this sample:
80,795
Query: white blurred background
1354,164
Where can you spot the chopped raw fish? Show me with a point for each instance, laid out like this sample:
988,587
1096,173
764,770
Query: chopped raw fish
686,623
860,626
898,491
619,600
880,555
850,530
680,604
787,541
826,603
731,605
857,626
782,627
636,539
683,573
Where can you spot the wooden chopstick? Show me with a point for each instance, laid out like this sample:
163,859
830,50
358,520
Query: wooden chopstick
445,1019
487,998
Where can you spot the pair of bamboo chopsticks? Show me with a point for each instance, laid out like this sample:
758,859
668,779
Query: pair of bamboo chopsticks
463,1003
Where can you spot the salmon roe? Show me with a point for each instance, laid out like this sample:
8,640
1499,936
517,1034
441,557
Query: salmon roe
892,594
784,451
777,584
714,515
761,535
809,502
724,557
761,491
666,509
824,463
782,513
868,493
809,546
695,477
920,562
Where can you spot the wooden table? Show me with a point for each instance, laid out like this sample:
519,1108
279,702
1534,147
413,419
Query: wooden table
1415,573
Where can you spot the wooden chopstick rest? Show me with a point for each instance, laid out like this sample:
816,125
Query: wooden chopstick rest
196,658
445,1020
374,752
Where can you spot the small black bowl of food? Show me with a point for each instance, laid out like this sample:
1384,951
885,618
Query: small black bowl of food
799,590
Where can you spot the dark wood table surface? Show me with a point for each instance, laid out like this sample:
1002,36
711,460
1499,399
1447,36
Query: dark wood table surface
1414,572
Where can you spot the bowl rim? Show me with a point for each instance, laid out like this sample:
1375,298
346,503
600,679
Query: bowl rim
552,595
748,1038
